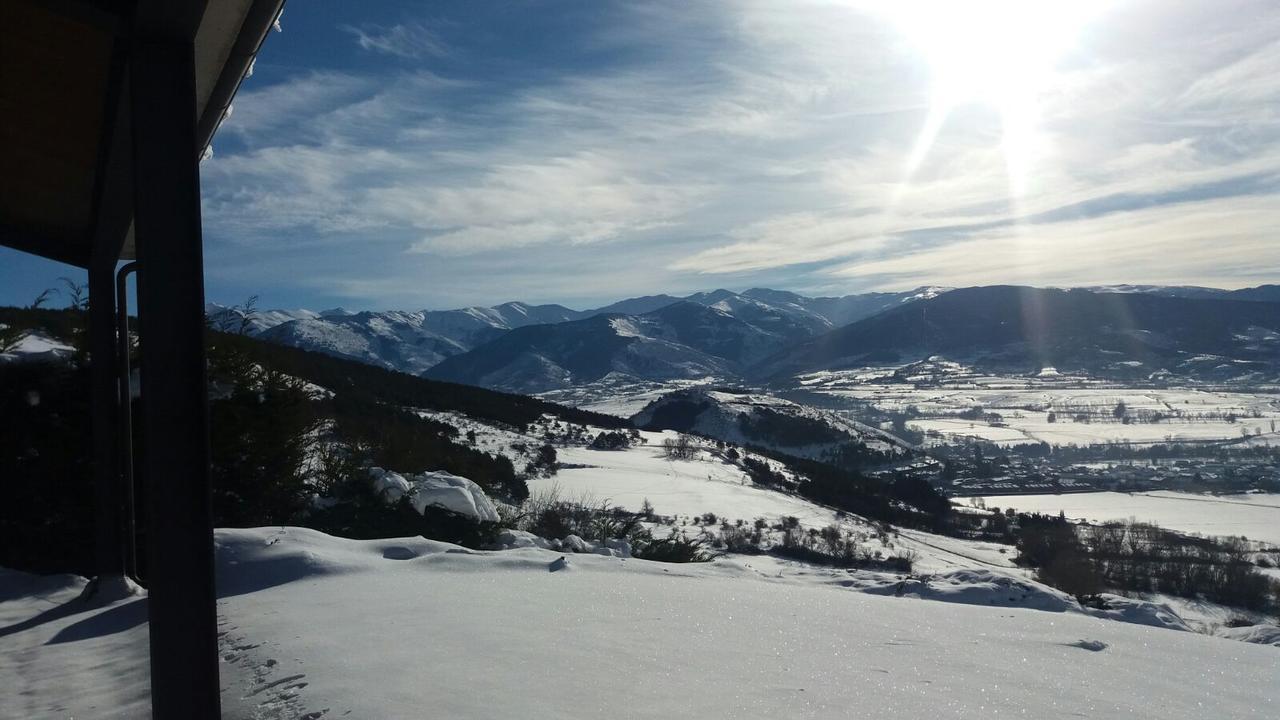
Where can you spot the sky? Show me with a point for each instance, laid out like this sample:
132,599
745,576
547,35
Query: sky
414,155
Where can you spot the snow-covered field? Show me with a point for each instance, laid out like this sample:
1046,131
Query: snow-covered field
620,395
626,478
1255,516
690,488
315,626
1024,404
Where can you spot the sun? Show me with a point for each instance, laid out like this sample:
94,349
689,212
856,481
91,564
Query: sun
1003,53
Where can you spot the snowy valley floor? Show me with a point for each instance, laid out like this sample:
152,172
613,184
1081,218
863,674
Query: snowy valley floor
316,626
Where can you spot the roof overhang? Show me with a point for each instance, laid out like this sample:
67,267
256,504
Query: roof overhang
66,189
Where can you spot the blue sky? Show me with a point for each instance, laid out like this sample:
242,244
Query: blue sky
438,154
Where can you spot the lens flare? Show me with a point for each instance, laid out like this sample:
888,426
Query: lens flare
1003,53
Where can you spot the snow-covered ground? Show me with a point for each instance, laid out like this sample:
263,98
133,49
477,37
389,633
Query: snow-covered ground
63,658
315,626
1255,516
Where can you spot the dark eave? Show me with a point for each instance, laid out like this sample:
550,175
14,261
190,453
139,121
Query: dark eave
66,190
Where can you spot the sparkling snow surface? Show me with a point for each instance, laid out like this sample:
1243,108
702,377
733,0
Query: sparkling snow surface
412,628
459,634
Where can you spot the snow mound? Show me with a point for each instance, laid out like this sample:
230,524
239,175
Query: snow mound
110,589
989,587
436,489
37,347
977,587
1260,634
517,539
1140,612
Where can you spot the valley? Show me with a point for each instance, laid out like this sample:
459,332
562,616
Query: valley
378,457
702,504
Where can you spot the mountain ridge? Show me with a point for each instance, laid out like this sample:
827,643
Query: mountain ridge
416,341
763,333
1024,329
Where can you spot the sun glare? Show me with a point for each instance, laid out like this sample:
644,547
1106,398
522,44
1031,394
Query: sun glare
1002,53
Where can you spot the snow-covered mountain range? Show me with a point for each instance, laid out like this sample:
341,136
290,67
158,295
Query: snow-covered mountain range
1134,331
708,333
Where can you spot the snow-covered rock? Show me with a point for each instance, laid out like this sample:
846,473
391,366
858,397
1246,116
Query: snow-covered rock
453,493
390,486
510,539
435,489
616,547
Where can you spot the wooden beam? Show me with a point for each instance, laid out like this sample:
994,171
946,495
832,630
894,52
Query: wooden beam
169,19
105,409
113,190
174,413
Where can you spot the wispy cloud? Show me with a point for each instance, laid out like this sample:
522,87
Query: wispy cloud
1223,243
413,40
279,107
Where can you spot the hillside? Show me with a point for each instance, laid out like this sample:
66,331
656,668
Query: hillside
1025,329
358,379
772,423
